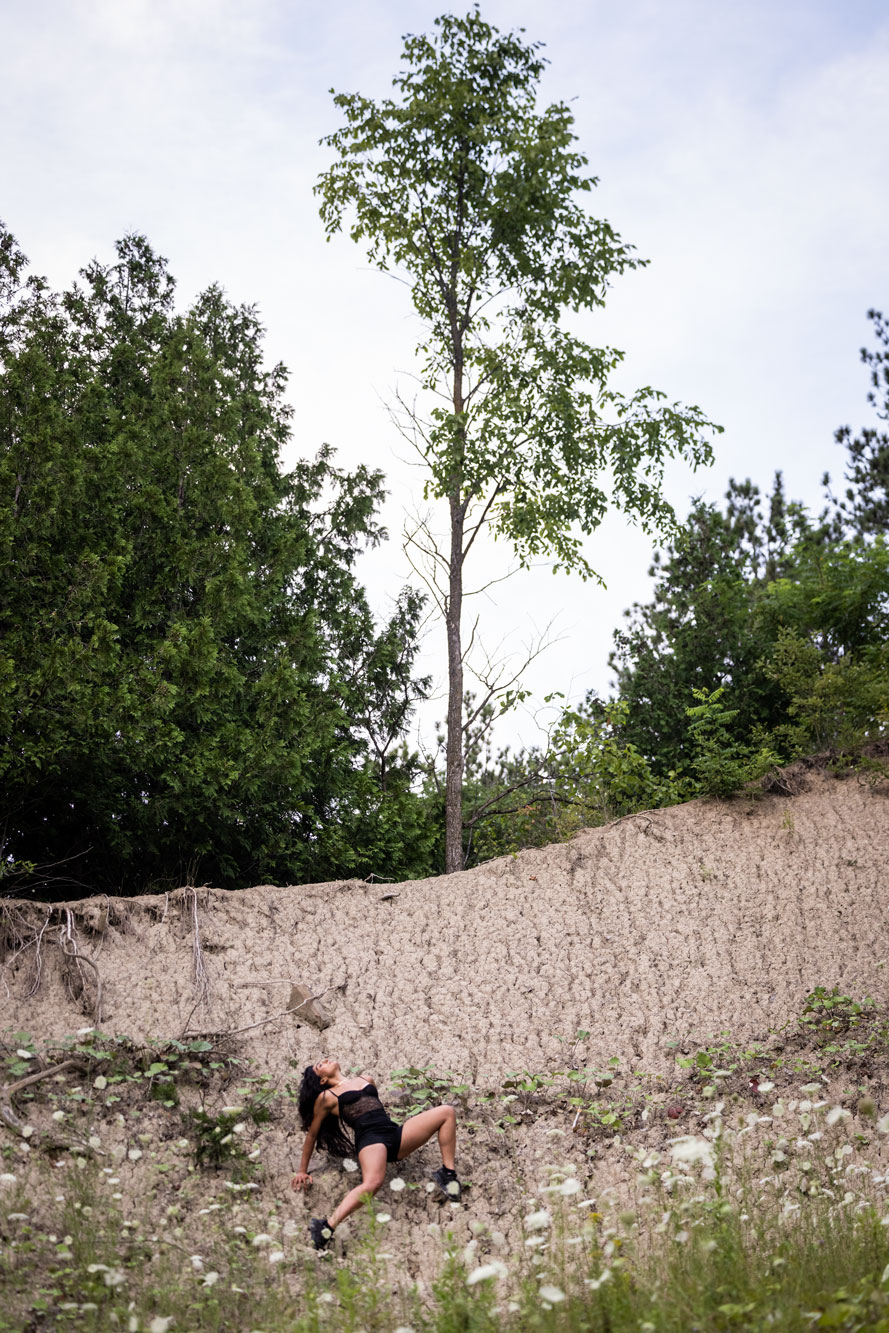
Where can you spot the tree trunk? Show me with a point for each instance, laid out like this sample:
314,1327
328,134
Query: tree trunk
454,759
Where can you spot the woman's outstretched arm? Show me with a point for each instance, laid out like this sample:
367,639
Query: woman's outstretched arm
322,1107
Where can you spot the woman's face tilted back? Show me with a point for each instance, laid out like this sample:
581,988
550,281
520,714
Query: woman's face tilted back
327,1070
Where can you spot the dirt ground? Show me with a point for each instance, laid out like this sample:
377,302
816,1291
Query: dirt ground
662,928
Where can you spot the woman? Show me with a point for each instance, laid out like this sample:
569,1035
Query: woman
327,1101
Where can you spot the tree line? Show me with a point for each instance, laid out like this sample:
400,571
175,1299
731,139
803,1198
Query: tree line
192,682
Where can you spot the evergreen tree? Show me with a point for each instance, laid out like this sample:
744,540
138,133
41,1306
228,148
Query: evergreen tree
190,676
864,509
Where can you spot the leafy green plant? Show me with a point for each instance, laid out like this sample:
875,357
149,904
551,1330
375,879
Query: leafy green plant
722,764
425,1088
829,1011
217,1140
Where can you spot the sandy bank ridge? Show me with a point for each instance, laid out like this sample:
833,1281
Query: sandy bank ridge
677,924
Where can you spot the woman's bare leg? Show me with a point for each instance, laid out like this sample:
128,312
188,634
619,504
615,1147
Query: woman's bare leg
372,1160
420,1128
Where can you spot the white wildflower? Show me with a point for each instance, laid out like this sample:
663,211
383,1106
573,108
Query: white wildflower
7,1178
261,1240
397,1184
114,1277
94,1141
210,1279
350,1165
197,1262
100,1082
134,1154
688,1149
276,1256
836,1114
382,1218
496,1269
594,1283
537,1221
159,1324
232,1110
766,1086
882,1125
551,1294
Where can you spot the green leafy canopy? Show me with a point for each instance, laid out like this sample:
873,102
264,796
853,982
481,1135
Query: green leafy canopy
465,186
190,675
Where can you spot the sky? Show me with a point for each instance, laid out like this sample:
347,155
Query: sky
743,148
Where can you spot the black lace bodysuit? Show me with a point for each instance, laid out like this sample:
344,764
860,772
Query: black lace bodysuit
364,1113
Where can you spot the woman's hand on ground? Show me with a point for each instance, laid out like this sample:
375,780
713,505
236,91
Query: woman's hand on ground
302,1180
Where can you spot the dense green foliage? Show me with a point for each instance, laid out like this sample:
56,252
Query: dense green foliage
191,682
475,195
766,639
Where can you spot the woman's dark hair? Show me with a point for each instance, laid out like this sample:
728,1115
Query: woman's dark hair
331,1136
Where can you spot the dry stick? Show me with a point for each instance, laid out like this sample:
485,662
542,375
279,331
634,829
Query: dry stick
234,1032
188,1020
13,1088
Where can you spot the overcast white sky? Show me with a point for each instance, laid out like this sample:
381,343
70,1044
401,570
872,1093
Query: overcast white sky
743,148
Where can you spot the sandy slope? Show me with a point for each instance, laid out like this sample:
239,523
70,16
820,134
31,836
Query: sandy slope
681,923
675,925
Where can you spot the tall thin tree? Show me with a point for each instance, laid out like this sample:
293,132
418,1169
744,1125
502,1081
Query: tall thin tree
475,194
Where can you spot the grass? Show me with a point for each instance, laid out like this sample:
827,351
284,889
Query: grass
693,1254
160,1215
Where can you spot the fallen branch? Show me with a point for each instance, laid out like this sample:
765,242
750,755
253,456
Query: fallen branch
9,1116
235,1032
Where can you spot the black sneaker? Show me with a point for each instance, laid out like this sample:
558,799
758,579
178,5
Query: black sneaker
321,1232
448,1184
